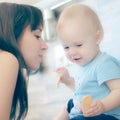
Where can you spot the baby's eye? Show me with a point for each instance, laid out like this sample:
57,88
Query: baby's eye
79,45
66,47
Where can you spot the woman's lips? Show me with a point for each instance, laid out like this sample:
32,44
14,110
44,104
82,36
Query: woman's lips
41,56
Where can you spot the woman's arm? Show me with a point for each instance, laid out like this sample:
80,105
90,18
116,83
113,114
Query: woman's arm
8,76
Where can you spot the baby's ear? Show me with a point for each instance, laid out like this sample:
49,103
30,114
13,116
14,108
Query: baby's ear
99,36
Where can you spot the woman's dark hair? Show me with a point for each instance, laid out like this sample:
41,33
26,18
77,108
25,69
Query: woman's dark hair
14,18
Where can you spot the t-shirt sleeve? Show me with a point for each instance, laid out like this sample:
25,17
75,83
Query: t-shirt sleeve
108,70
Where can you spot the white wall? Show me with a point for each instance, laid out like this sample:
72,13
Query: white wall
109,14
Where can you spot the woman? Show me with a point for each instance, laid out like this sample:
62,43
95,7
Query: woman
21,48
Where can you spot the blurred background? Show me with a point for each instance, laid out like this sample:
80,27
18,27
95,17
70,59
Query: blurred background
45,100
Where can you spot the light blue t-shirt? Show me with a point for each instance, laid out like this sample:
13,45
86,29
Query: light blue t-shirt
92,78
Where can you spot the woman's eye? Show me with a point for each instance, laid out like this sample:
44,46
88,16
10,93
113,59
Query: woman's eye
37,36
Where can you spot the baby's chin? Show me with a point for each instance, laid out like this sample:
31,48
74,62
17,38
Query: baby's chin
81,64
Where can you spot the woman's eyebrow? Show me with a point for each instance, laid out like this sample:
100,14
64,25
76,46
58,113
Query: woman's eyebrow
40,29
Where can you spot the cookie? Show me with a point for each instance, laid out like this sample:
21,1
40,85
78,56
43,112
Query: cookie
86,102
58,82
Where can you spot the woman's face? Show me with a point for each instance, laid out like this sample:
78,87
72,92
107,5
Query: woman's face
32,47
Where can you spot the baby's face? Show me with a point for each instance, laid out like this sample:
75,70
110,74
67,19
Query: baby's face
79,41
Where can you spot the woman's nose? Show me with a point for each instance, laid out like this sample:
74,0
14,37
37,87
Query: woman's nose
44,46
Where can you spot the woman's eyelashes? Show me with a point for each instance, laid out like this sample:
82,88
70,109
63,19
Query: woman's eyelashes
38,36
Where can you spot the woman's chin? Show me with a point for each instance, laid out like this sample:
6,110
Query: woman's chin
34,68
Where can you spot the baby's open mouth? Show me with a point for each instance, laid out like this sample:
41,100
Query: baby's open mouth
77,59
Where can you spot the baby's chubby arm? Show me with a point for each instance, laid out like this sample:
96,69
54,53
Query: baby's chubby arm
65,78
108,103
113,99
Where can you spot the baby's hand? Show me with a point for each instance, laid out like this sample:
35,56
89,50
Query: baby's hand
96,108
63,75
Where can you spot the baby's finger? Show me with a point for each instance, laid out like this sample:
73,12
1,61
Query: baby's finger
93,104
58,70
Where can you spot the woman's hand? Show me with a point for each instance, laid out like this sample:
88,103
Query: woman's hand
96,108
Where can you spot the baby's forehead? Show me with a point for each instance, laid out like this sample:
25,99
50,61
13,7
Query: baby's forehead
78,12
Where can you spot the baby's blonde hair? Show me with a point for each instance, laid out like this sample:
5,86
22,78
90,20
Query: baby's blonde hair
79,11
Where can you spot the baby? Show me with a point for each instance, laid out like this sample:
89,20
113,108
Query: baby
81,32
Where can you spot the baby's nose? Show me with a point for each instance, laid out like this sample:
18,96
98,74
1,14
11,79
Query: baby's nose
72,53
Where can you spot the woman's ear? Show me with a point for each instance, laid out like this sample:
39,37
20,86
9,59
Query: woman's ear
99,37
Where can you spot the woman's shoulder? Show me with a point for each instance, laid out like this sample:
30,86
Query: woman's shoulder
7,57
